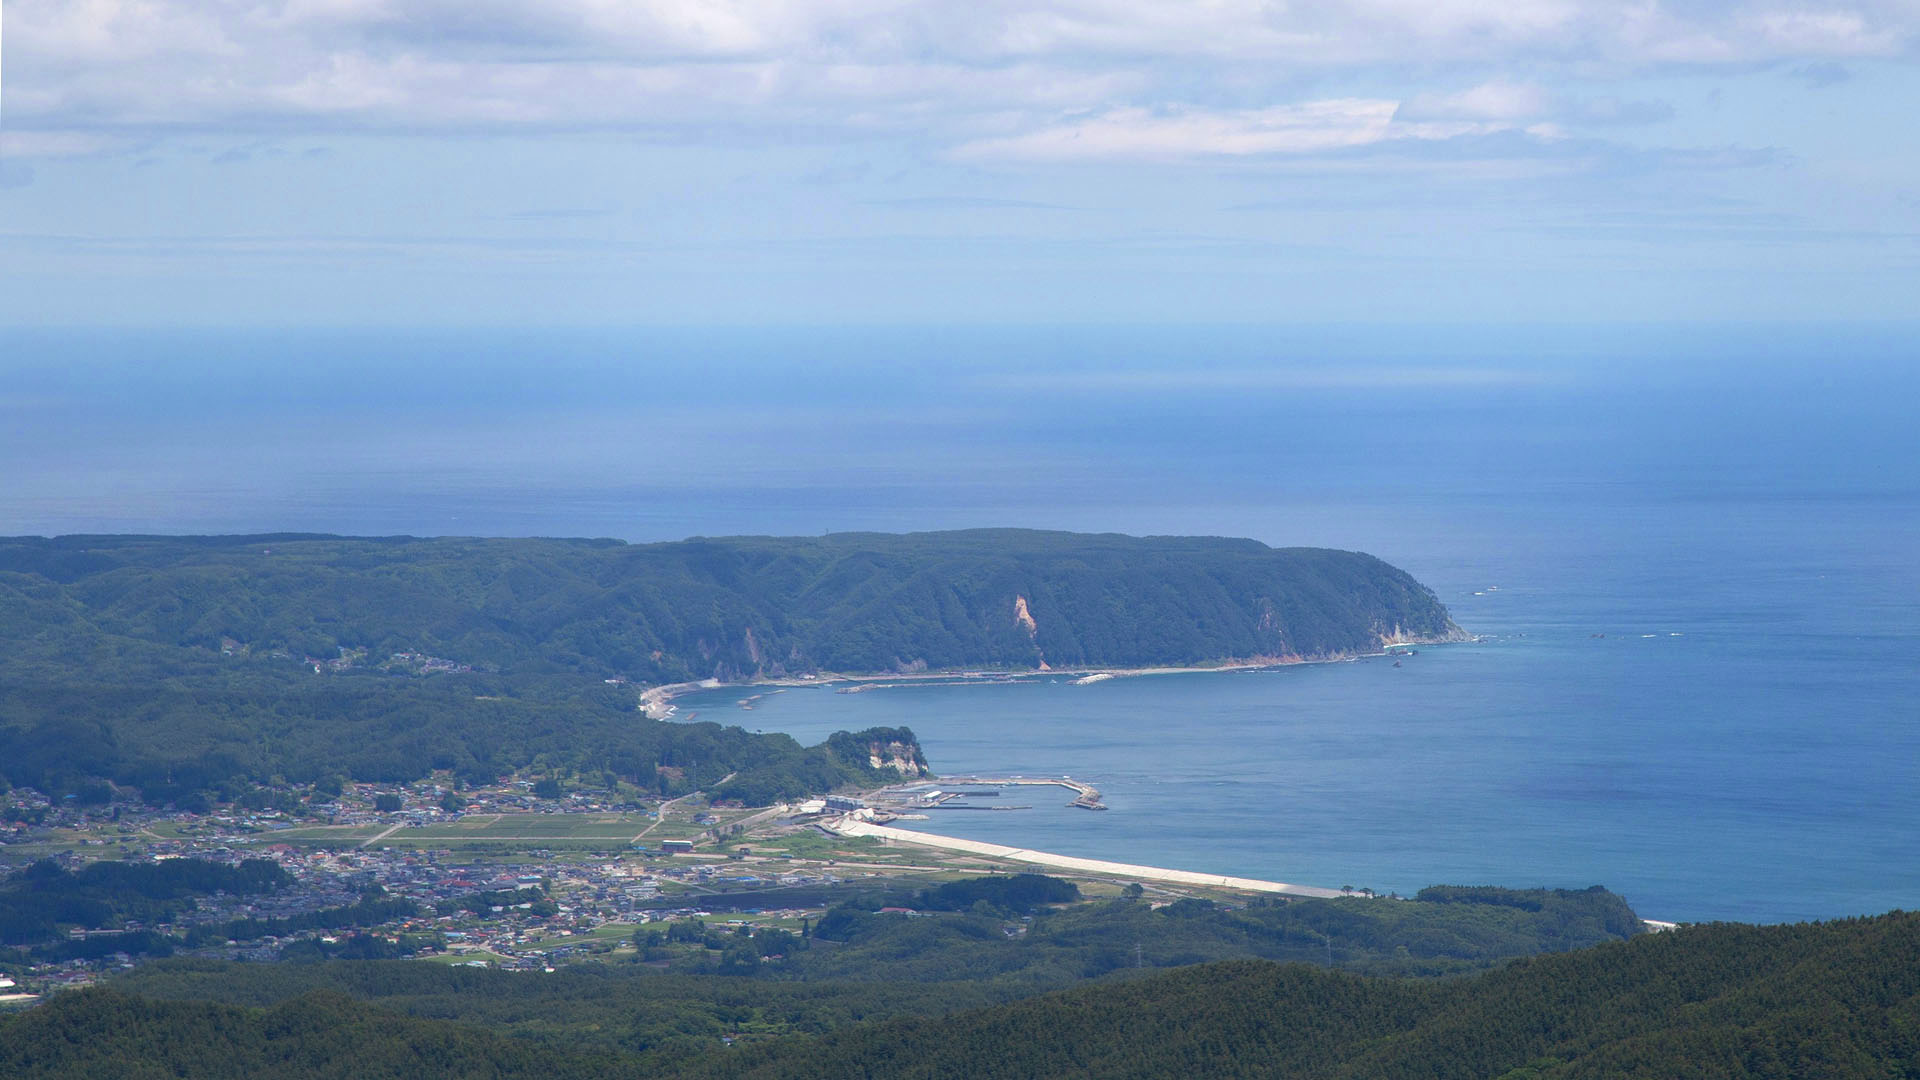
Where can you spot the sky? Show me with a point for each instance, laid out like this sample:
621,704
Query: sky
652,162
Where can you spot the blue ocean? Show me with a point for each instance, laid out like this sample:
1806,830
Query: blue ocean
1691,555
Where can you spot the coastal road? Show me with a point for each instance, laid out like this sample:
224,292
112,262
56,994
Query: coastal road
755,819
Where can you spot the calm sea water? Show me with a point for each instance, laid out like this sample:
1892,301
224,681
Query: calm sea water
1741,744
1736,510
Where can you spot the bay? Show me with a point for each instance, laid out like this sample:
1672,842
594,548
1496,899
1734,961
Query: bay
1708,707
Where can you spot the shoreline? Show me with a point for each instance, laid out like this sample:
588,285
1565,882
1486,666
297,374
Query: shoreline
657,702
850,826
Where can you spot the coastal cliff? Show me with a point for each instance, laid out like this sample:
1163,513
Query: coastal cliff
880,748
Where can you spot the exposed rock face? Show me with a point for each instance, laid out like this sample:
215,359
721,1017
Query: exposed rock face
1400,635
1024,617
899,756
881,748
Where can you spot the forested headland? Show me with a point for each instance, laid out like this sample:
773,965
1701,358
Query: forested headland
729,609
196,668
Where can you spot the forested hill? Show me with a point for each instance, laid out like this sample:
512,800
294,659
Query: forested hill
1835,1000
199,668
729,608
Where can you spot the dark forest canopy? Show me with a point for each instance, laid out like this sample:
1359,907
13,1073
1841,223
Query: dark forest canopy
728,608
1839,999
1834,1000
40,904
246,740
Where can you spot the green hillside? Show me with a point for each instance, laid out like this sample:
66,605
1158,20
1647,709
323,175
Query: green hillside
96,1033
726,608
955,951
1832,1000
1826,1000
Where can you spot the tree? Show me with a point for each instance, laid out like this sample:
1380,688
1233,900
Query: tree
740,957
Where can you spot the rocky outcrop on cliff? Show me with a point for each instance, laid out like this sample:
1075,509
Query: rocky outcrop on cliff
881,749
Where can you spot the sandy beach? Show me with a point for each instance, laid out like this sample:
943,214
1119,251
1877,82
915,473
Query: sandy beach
850,826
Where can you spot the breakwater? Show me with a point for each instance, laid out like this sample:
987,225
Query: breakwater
1086,796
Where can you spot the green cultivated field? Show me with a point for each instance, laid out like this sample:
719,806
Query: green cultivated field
538,826
324,835
578,832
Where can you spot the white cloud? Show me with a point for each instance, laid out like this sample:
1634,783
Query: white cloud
991,74
45,144
78,32
1826,34
1489,101
1187,132
1140,133
1530,107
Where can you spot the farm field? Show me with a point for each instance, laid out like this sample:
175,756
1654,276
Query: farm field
518,831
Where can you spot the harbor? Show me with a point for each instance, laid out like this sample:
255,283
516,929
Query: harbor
951,793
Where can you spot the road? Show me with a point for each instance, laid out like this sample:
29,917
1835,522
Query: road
665,806
372,840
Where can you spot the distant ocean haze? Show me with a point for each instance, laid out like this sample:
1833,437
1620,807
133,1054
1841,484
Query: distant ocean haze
1351,437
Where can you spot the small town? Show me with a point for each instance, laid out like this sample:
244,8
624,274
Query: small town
515,876
570,883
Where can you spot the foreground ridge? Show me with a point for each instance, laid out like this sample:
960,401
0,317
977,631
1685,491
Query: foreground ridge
1836,999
